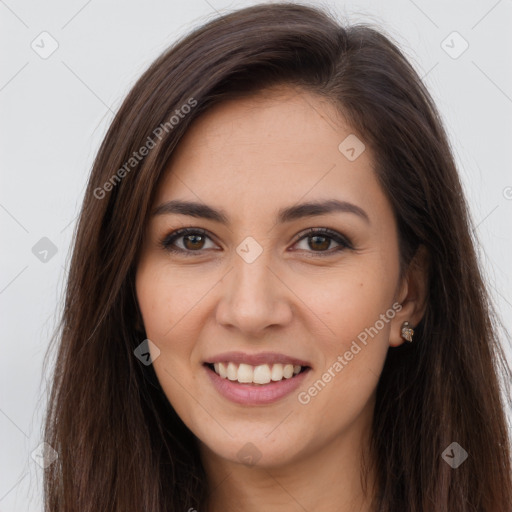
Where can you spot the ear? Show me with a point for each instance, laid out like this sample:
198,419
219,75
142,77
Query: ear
411,295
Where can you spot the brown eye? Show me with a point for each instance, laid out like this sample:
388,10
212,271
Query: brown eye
185,241
193,241
319,240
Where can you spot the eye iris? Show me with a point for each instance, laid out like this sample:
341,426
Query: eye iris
194,238
325,244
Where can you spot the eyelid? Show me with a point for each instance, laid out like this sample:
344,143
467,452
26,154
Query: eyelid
342,241
167,241
330,233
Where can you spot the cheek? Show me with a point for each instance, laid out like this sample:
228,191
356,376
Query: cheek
168,299
354,309
350,300
167,310
161,310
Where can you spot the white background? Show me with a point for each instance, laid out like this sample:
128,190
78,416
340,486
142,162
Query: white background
55,111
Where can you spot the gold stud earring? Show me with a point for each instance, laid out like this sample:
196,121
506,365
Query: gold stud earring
407,332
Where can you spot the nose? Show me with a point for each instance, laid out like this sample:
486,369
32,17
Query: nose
253,298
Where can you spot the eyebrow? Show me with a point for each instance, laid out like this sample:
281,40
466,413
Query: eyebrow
288,214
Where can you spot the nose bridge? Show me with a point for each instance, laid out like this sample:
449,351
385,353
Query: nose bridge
253,277
253,297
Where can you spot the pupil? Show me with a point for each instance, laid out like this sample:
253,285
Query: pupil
324,246
194,239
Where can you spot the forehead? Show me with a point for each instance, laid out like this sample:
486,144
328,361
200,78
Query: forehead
269,150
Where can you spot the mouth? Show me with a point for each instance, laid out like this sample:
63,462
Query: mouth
256,375
260,384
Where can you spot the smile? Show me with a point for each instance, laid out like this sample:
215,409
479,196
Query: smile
261,374
243,389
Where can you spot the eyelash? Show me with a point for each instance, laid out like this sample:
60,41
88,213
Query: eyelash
167,242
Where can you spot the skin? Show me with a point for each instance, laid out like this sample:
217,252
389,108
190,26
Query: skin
251,157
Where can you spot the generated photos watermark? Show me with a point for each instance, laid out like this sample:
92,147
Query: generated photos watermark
137,156
305,397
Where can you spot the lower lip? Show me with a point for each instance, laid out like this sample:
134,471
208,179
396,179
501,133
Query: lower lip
255,394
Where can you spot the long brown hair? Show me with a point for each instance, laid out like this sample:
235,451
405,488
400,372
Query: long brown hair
120,444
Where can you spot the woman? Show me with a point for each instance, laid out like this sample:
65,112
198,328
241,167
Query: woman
274,301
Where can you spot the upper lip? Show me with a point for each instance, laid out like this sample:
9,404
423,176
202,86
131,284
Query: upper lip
256,359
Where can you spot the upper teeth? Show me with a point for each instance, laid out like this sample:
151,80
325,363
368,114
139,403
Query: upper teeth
262,374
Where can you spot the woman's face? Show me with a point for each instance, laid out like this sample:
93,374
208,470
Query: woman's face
250,288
